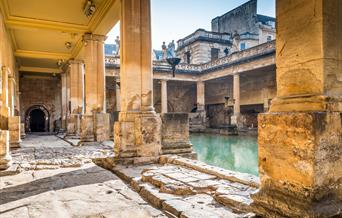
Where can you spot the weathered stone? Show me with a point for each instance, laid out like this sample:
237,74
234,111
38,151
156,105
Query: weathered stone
101,127
5,157
14,127
87,128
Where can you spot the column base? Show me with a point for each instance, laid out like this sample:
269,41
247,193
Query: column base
5,157
137,135
14,127
22,131
87,128
300,159
198,121
73,126
175,134
235,120
102,127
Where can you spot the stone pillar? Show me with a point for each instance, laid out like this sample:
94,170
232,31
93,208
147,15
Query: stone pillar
14,127
117,95
200,96
137,133
5,110
300,152
64,102
76,105
236,96
5,157
163,96
95,107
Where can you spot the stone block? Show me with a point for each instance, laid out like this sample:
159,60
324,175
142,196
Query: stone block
73,125
175,133
87,128
22,131
101,127
5,157
139,136
14,127
300,159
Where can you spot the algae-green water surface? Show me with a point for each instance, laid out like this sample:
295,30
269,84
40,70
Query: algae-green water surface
236,153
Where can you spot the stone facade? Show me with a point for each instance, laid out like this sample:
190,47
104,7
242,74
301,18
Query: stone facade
41,91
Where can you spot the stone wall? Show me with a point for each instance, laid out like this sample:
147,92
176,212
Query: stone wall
44,91
242,19
181,96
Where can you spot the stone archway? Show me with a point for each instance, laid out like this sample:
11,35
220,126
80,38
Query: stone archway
37,119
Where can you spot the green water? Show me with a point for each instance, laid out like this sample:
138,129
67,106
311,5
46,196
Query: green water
236,153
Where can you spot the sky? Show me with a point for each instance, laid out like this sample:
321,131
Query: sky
176,19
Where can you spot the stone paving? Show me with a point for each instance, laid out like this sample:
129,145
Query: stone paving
186,188
56,179
87,191
39,152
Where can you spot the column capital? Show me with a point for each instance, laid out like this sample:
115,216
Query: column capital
93,37
73,61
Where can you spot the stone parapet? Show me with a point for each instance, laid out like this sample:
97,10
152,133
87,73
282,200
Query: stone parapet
14,127
175,133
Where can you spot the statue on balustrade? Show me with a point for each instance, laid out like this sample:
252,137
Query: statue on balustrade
164,51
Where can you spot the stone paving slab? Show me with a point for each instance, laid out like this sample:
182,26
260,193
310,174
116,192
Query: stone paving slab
87,191
176,190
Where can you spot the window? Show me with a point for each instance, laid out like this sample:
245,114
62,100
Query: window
242,46
215,53
187,57
269,38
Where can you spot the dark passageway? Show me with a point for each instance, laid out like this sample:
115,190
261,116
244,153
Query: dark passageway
37,121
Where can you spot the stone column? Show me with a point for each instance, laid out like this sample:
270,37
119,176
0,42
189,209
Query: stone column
95,121
137,134
163,96
236,96
76,105
64,102
5,157
5,110
13,121
300,152
117,95
200,96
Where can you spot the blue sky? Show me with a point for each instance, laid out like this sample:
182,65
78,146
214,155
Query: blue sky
175,19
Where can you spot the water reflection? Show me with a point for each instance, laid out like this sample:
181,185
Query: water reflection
237,153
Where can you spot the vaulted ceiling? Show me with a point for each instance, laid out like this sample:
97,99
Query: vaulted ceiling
40,29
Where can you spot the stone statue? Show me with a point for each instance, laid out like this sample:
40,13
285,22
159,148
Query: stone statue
236,40
164,50
117,42
171,49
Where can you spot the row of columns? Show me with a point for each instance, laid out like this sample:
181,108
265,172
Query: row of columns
83,93
9,123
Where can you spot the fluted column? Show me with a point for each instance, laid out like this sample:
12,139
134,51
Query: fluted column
200,96
64,102
163,96
236,96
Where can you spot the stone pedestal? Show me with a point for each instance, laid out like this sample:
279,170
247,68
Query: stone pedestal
73,126
101,127
175,134
5,157
300,162
14,127
22,131
137,135
87,128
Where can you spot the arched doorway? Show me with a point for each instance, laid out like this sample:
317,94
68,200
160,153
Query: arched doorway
37,119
